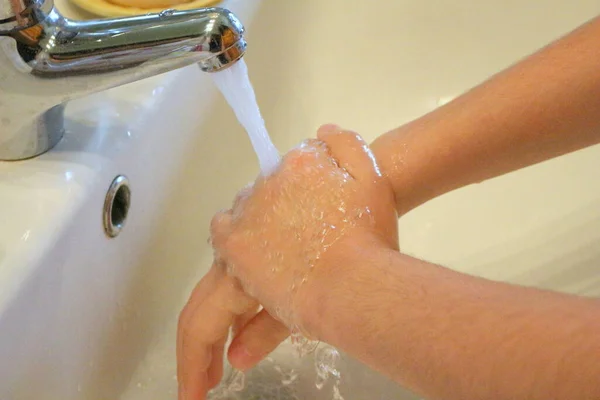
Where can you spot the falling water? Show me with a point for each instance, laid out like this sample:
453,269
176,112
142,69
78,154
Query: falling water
235,85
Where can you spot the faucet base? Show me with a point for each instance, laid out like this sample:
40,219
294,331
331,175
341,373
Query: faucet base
35,138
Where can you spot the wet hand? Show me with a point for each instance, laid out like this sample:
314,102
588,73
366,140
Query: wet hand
216,304
326,191
280,229
271,242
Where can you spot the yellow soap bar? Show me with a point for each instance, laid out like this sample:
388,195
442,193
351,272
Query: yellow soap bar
122,8
148,4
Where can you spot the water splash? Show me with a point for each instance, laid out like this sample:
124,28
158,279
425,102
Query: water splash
234,383
326,359
301,344
264,385
237,381
326,366
235,85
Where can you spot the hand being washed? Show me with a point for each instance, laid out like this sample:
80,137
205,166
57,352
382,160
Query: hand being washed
275,246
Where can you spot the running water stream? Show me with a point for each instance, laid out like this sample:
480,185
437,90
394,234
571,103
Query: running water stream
234,83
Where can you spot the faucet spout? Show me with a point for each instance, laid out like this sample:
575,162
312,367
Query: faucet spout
47,60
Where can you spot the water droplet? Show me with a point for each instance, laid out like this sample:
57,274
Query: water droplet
336,392
301,344
166,13
237,381
326,359
320,381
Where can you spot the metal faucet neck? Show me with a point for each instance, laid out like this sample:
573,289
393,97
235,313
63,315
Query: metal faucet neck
47,60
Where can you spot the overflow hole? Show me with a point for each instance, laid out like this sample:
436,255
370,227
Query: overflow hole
116,206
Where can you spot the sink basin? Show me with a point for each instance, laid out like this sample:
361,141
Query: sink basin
84,316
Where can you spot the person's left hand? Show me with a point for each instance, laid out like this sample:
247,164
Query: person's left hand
220,300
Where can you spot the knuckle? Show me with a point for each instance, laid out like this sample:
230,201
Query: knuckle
214,224
293,156
243,195
351,138
188,333
183,319
310,151
218,224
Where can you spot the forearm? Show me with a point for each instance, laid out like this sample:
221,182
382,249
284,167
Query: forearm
451,336
545,106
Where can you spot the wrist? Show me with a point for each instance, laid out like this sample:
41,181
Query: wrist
418,160
391,150
327,300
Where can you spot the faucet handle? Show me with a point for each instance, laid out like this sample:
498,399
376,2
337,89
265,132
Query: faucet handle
16,15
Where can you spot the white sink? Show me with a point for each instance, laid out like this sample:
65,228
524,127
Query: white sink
83,316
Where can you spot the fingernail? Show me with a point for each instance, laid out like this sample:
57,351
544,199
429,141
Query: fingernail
328,129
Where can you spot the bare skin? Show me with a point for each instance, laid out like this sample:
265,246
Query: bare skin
443,334
545,106
306,176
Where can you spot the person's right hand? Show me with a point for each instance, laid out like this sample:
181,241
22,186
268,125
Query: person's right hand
277,237
283,245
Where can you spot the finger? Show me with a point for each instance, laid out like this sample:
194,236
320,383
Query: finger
204,286
220,228
208,325
199,293
260,336
242,196
241,321
215,372
351,151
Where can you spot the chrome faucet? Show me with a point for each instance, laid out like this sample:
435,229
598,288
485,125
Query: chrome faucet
47,60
